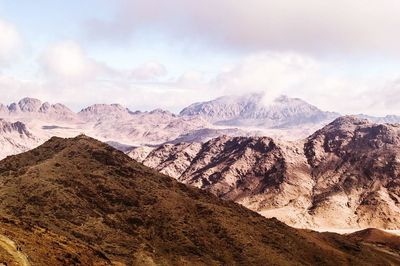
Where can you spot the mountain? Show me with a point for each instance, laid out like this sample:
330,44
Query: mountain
104,111
34,108
111,123
116,123
391,119
251,111
79,201
342,176
15,138
285,118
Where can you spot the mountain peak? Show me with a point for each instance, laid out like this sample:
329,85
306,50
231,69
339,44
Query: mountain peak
350,120
253,110
29,104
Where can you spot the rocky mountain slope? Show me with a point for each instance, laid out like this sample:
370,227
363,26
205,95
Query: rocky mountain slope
15,138
342,176
391,119
250,110
79,201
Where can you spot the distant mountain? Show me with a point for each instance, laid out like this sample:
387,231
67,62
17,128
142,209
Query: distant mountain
81,202
111,123
16,138
104,111
251,111
285,118
30,107
345,175
119,124
390,119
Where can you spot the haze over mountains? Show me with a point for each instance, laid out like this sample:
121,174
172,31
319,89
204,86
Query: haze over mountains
118,125
80,202
251,110
284,118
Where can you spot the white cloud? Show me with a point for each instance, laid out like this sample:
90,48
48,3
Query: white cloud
191,78
10,41
271,73
311,26
149,71
67,60
306,77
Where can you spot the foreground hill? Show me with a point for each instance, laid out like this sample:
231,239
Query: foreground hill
342,176
79,201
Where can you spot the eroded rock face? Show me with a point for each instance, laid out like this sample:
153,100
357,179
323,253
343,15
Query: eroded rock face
15,138
344,175
355,165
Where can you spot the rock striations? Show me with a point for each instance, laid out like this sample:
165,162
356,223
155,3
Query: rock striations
345,175
15,138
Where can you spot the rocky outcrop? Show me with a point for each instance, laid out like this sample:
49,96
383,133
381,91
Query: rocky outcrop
16,138
344,175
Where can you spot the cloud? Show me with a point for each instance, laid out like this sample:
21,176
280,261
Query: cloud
308,78
149,71
191,78
311,26
273,74
10,41
68,61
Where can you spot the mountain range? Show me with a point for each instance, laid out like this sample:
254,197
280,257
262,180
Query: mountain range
122,127
348,167
247,115
344,175
81,202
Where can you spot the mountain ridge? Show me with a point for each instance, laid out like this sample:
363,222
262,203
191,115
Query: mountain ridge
250,110
342,176
94,204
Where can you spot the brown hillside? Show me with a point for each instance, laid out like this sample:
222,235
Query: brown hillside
376,236
79,201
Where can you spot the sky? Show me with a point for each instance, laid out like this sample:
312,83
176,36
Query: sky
341,55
